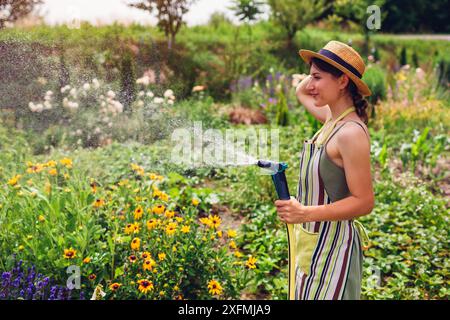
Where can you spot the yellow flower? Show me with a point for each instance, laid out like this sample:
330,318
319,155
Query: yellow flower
158,209
214,287
29,182
53,172
219,234
238,254
162,293
51,164
251,263
66,176
232,244
152,223
206,221
179,219
146,255
138,212
215,221
138,169
164,196
174,249
195,201
86,260
36,168
161,256
69,253
114,286
169,214
176,288
93,187
21,248
98,203
171,228
41,218
48,187
14,180
123,182
66,162
145,286
185,229
135,244
231,233
132,258
149,264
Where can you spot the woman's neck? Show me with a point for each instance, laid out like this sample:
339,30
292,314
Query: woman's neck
339,107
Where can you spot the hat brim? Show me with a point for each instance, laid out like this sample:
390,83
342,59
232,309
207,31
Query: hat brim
307,55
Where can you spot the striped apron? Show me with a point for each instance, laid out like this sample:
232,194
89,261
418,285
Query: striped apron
321,253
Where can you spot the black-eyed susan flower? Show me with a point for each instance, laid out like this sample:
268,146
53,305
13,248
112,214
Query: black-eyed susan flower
231,233
169,214
51,164
163,196
98,203
185,229
158,209
86,260
93,187
195,201
171,228
251,262
206,221
70,253
92,277
132,258
135,244
35,168
146,255
149,264
66,162
138,212
232,244
161,256
41,218
145,286
129,228
238,254
152,223
214,287
53,172
219,233
215,221
114,286
14,180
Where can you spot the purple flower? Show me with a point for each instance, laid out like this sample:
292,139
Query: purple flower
6,275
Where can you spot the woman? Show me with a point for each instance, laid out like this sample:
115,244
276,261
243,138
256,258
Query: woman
335,184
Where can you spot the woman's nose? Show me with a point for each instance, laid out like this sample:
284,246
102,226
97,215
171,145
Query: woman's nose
310,86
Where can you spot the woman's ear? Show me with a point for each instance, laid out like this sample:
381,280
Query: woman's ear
343,81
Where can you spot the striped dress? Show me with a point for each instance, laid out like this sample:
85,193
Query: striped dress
325,258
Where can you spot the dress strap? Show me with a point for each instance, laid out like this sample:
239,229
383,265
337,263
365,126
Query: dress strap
328,132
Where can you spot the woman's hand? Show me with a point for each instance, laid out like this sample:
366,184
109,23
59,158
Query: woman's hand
291,211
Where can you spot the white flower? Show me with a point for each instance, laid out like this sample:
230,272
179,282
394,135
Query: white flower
145,80
38,107
103,104
119,106
86,86
97,130
140,103
105,119
141,93
168,93
170,102
150,94
65,103
49,93
73,92
65,88
110,125
102,97
111,94
73,105
79,132
47,105
96,83
158,100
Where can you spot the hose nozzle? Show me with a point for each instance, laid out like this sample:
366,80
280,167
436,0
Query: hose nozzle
275,167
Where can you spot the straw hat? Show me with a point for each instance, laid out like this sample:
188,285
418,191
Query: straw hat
343,57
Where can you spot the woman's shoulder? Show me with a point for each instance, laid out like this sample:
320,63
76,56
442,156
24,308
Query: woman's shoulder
352,132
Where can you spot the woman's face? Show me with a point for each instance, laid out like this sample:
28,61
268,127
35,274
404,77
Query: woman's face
323,87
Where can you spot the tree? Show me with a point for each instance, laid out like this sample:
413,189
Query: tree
247,11
294,15
169,14
13,10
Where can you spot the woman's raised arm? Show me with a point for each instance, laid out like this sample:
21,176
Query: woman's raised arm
320,113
